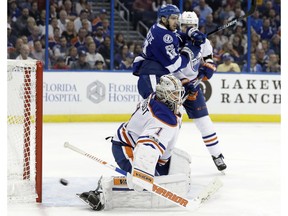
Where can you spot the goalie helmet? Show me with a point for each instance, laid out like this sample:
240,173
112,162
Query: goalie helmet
189,18
170,91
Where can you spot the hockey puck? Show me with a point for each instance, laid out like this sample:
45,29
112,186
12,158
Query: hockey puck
64,182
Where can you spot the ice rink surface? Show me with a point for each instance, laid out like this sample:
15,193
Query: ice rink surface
251,184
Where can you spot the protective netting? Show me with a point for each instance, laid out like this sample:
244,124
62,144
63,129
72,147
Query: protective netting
21,130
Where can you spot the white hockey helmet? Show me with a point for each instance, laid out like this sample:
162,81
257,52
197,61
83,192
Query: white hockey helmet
189,18
170,91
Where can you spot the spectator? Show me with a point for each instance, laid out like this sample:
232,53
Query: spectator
254,67
52,41
256,21
275,44
273,64
34,11
16,51
228,65
131,46
99,65
106,27
60,64
82,5
53,12
97,21
221,39
11,36
127,63
119,41
274,19
38,52
265,45
70,32
62,21
35,35
121,56
98,35
266,31
21,22
53,24
81,62
104,50
210,25
24,53
85,24
41,22
225,12
13,10
27,31
204,10
92,55
61,49
80,39
137,49
71,15
262,58
78,21
72,57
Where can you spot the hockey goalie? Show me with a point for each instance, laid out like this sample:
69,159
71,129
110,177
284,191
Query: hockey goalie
145,148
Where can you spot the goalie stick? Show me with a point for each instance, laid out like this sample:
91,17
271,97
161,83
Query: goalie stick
191,204
234,21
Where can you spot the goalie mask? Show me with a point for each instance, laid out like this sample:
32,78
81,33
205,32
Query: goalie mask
189,19
170,91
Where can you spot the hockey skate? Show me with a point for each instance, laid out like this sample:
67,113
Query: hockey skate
92,198
221,166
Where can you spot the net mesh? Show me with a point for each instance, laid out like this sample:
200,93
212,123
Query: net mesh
21,116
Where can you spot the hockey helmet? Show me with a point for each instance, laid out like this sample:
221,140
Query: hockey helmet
189,18
167,10
170,91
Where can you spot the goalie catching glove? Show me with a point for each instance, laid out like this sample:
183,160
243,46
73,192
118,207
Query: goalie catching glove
207,70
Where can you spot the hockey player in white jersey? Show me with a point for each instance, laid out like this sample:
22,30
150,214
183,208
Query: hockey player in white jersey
145,147
201,67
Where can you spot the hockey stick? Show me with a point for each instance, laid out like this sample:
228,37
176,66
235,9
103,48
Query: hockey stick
159,190
234,21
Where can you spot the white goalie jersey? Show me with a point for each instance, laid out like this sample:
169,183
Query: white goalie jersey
153,123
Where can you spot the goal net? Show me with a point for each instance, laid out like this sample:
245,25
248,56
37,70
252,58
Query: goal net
24,130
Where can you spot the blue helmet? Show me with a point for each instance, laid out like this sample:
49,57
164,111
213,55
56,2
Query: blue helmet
167,10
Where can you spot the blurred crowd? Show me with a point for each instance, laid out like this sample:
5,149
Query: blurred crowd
79,37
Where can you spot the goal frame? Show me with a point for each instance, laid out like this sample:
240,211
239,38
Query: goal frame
27,122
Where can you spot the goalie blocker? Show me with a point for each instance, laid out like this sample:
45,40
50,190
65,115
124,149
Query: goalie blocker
113,192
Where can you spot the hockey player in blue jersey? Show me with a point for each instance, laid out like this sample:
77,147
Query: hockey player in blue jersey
163,53
145,147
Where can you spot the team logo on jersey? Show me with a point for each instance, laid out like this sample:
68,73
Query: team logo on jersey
167,38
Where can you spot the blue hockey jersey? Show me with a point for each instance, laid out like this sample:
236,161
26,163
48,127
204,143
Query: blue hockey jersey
160,53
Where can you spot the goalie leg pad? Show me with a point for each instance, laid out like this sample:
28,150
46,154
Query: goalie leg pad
180,163
143,169
116,194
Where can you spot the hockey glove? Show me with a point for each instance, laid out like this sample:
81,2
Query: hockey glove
190,89
207,70
196,36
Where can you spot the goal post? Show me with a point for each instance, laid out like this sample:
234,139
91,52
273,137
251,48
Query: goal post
24,130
